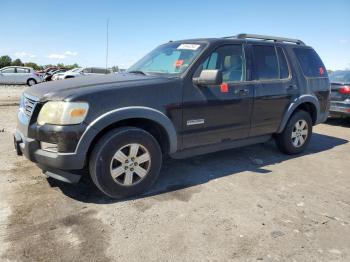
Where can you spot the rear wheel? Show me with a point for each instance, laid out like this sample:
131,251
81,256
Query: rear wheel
296,135
31,82
125,162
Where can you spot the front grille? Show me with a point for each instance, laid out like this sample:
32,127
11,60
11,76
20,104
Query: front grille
28,105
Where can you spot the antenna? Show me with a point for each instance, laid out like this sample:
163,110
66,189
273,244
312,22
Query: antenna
107,44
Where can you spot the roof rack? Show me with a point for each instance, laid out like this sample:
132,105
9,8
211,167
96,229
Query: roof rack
267,38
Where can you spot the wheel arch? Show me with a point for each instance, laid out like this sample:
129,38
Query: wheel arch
149,119
307,103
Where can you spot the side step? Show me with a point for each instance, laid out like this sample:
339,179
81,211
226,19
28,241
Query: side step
63,176
222,146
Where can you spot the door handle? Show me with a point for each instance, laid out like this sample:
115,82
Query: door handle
292,87
243,91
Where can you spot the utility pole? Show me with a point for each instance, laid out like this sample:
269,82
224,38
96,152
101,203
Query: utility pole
107,45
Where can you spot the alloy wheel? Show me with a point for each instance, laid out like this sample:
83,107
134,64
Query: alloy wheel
130,164
300,133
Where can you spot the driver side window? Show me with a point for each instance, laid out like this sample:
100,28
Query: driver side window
229,59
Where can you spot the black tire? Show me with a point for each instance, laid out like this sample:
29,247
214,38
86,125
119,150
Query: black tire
31,80
104,151
284,140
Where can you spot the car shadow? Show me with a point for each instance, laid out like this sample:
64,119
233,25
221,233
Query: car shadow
338,121
181,174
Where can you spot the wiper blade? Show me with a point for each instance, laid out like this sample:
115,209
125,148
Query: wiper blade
137,72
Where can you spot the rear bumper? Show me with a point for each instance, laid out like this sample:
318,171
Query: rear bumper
340,108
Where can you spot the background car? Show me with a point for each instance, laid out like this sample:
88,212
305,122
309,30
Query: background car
48,76
46,70
68,73
19,75
340,93
78,72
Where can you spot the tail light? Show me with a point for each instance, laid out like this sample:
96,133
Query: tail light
345,90
37,74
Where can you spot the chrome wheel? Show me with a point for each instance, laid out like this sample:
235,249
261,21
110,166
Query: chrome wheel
300,133
130,164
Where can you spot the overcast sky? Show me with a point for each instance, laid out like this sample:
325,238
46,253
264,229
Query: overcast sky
75,31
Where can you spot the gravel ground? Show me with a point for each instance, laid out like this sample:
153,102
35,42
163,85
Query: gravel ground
248,204
9,94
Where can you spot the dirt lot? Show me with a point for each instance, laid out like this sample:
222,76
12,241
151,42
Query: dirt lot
249,204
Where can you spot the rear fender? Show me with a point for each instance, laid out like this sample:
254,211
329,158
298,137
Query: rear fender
294,105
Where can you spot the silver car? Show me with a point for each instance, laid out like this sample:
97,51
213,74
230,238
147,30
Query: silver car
19,75
79,72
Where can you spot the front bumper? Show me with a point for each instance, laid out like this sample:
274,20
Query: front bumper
30,148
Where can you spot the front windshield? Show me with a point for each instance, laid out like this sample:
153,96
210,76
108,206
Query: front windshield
171,58
340,77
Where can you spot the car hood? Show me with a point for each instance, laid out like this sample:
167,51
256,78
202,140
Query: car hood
68,89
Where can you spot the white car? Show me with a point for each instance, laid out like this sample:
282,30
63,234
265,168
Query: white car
78,72
19,75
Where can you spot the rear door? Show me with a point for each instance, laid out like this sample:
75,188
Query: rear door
220,113
22,75
274,89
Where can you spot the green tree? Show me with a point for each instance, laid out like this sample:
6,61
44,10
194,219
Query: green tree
32,65
5,61
17,62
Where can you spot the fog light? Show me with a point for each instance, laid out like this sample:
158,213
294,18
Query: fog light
48,147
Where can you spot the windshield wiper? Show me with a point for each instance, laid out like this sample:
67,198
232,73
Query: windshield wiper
137,72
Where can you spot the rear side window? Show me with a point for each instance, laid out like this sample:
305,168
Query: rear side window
310,62
22,70
284,71
266,64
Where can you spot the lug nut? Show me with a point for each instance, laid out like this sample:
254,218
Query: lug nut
131,169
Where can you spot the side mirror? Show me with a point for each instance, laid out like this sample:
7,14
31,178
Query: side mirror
209,77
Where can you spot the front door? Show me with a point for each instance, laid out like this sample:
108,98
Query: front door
220,113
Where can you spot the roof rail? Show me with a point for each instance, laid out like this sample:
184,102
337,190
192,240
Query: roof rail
267,38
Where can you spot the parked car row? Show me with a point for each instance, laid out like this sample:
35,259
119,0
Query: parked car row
77,72
25,75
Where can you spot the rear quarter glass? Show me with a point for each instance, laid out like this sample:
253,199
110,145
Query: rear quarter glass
310,62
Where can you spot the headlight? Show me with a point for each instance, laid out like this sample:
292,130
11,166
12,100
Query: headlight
63,113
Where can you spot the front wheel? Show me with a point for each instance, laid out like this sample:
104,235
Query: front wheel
296,135
125,162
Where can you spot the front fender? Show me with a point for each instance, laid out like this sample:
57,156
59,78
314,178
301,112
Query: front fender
119,114
298,101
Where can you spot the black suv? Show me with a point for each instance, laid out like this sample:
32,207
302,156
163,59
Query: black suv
182,99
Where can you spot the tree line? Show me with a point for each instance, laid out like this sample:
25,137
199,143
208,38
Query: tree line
7,61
